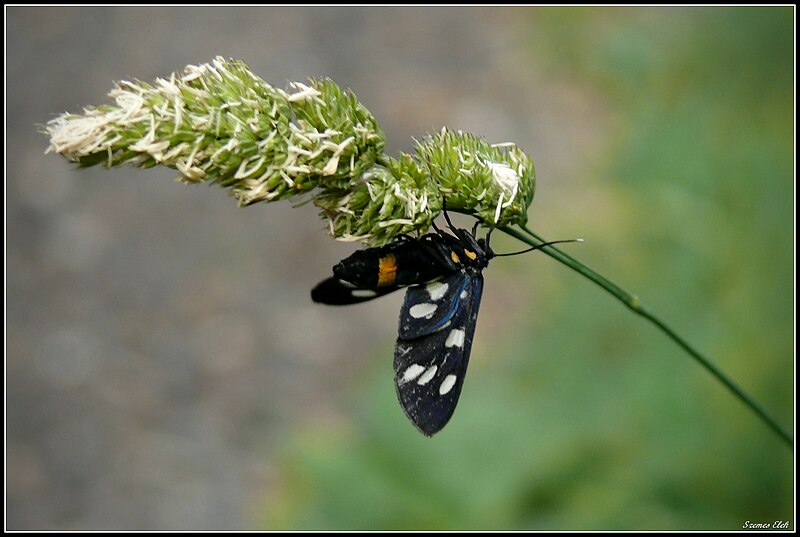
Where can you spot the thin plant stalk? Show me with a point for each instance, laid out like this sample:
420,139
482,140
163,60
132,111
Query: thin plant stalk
220,123
634,304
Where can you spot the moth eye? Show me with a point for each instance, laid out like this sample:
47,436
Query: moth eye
454,257
471,255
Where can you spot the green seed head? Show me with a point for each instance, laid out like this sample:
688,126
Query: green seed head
220,123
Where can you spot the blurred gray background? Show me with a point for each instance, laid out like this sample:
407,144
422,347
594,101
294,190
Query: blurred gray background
165,363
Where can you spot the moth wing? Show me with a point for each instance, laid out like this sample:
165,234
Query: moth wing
430,366
336,292
428,308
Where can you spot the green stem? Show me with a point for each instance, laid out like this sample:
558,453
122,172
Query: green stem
632,302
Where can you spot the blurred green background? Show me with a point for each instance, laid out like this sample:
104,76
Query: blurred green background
166,369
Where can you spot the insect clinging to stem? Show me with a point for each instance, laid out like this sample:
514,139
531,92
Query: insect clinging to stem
444,276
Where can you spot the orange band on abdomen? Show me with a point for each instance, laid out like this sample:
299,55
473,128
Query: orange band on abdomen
387,270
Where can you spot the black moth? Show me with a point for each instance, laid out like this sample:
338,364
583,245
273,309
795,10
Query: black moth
443,273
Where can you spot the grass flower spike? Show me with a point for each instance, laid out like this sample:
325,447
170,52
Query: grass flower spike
220,123
496,183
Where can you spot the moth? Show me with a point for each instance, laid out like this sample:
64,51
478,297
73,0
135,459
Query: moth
443,274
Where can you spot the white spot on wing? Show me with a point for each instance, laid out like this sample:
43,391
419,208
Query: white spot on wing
411,372
463,294
347,284
418,311
363,293
427,376
436,290
455,338
447,384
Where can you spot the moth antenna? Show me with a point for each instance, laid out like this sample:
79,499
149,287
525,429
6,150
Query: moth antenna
535,247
